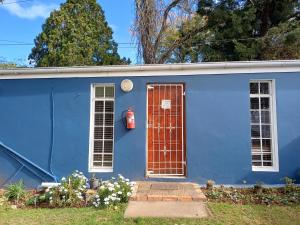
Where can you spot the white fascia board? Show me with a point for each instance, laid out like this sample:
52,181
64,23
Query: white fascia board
154,70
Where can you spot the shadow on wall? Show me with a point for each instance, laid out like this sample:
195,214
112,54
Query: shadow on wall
14,168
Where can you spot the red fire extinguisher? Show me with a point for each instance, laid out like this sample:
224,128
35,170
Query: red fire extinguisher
130,123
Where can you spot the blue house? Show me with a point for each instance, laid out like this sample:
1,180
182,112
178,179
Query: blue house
232,122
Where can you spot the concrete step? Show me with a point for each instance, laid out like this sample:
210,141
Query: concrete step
168,191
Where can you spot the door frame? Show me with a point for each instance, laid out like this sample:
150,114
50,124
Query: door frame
183,133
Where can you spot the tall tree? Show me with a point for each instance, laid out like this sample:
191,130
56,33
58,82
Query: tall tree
239,30
157,26
76,34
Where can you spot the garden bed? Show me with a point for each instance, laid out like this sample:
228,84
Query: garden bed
287,195
73,191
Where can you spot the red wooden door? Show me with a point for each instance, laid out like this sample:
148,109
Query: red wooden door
166,154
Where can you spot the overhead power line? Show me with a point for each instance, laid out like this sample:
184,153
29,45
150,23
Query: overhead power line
132,44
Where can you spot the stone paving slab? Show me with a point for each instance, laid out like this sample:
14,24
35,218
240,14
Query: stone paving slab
168,209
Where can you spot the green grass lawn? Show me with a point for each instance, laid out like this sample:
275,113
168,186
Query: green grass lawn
222,214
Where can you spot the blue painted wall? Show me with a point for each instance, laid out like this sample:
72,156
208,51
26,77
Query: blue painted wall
217,123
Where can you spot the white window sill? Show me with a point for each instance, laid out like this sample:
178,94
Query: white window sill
100,170
264,169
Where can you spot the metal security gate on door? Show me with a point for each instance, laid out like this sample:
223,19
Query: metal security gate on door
166,155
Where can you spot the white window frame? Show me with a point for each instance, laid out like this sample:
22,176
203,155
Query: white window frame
274,144
93,98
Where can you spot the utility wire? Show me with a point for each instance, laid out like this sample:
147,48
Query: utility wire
16,43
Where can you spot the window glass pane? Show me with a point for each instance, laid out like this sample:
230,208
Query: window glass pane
109,119
109,92
108,133
109,106
98,133
267,163
108,146
255,145
267,157
99,119
107,157
254,116
264,88
97,164
99,106
255,131
97,157
98,145
266,145
109,164
266,131
256,163
99,92
256,157
265,116
253,88
254,103
265,103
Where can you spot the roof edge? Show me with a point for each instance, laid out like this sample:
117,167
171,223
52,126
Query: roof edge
154,70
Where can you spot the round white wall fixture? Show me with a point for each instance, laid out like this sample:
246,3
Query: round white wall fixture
126,85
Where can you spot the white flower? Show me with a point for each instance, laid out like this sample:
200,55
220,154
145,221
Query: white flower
119,192
128,194
63,179
127,180
114,194
111,189
113,178
106,199
106,203
102,187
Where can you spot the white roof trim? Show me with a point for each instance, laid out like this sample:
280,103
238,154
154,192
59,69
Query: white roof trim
154,70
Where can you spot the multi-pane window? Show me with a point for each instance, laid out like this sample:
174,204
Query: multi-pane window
263,137
102,130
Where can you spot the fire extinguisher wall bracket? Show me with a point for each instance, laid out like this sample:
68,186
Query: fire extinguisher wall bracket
130,121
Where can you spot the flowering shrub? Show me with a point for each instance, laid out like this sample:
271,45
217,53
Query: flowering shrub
70,192
113,191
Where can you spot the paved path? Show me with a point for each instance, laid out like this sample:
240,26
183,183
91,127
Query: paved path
167,199
172,209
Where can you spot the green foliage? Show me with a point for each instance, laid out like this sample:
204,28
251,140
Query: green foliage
15,192
266,196
76,34
282,41
289,185
70,192
113,192
245,30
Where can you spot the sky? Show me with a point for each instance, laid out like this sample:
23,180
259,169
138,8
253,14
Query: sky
21,21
